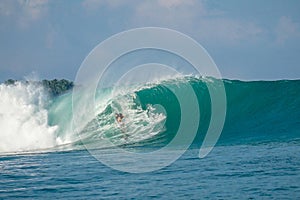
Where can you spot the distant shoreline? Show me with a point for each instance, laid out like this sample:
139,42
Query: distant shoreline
55,87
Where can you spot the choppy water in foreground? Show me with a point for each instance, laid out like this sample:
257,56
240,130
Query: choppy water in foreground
262,171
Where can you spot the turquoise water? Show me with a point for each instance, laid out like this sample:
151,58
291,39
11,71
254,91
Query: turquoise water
256,157
257,111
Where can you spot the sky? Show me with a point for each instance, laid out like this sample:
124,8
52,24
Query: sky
247,39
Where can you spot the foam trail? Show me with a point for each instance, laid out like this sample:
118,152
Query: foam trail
24,119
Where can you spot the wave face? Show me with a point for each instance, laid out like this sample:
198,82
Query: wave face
257,111
262,111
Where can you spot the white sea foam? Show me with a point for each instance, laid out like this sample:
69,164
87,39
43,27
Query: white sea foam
24,119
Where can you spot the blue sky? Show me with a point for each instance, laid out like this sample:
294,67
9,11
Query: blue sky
247,39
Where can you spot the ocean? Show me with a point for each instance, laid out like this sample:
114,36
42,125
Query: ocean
256,156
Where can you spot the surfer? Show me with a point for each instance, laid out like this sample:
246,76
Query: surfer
119,117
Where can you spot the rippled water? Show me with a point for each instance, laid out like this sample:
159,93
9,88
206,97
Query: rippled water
270,171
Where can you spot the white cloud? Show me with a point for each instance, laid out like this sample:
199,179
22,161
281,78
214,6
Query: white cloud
286,29
24,12
32,10
228,30
195,18
7,7
92,4
172,14
96,4
175,3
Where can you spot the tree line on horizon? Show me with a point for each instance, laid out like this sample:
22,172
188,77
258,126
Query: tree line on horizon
55,87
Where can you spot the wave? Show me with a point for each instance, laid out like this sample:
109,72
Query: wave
24,118
257,111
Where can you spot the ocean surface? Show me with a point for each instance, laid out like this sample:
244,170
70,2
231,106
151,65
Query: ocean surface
256,156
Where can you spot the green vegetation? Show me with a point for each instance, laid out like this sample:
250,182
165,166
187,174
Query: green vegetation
10,82
54,87
57,87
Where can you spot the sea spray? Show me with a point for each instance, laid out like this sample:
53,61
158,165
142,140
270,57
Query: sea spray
24,119
31,119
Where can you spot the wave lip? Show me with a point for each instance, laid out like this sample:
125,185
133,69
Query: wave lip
257,111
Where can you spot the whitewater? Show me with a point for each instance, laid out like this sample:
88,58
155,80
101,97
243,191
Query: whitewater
258,111
24,118
256,157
